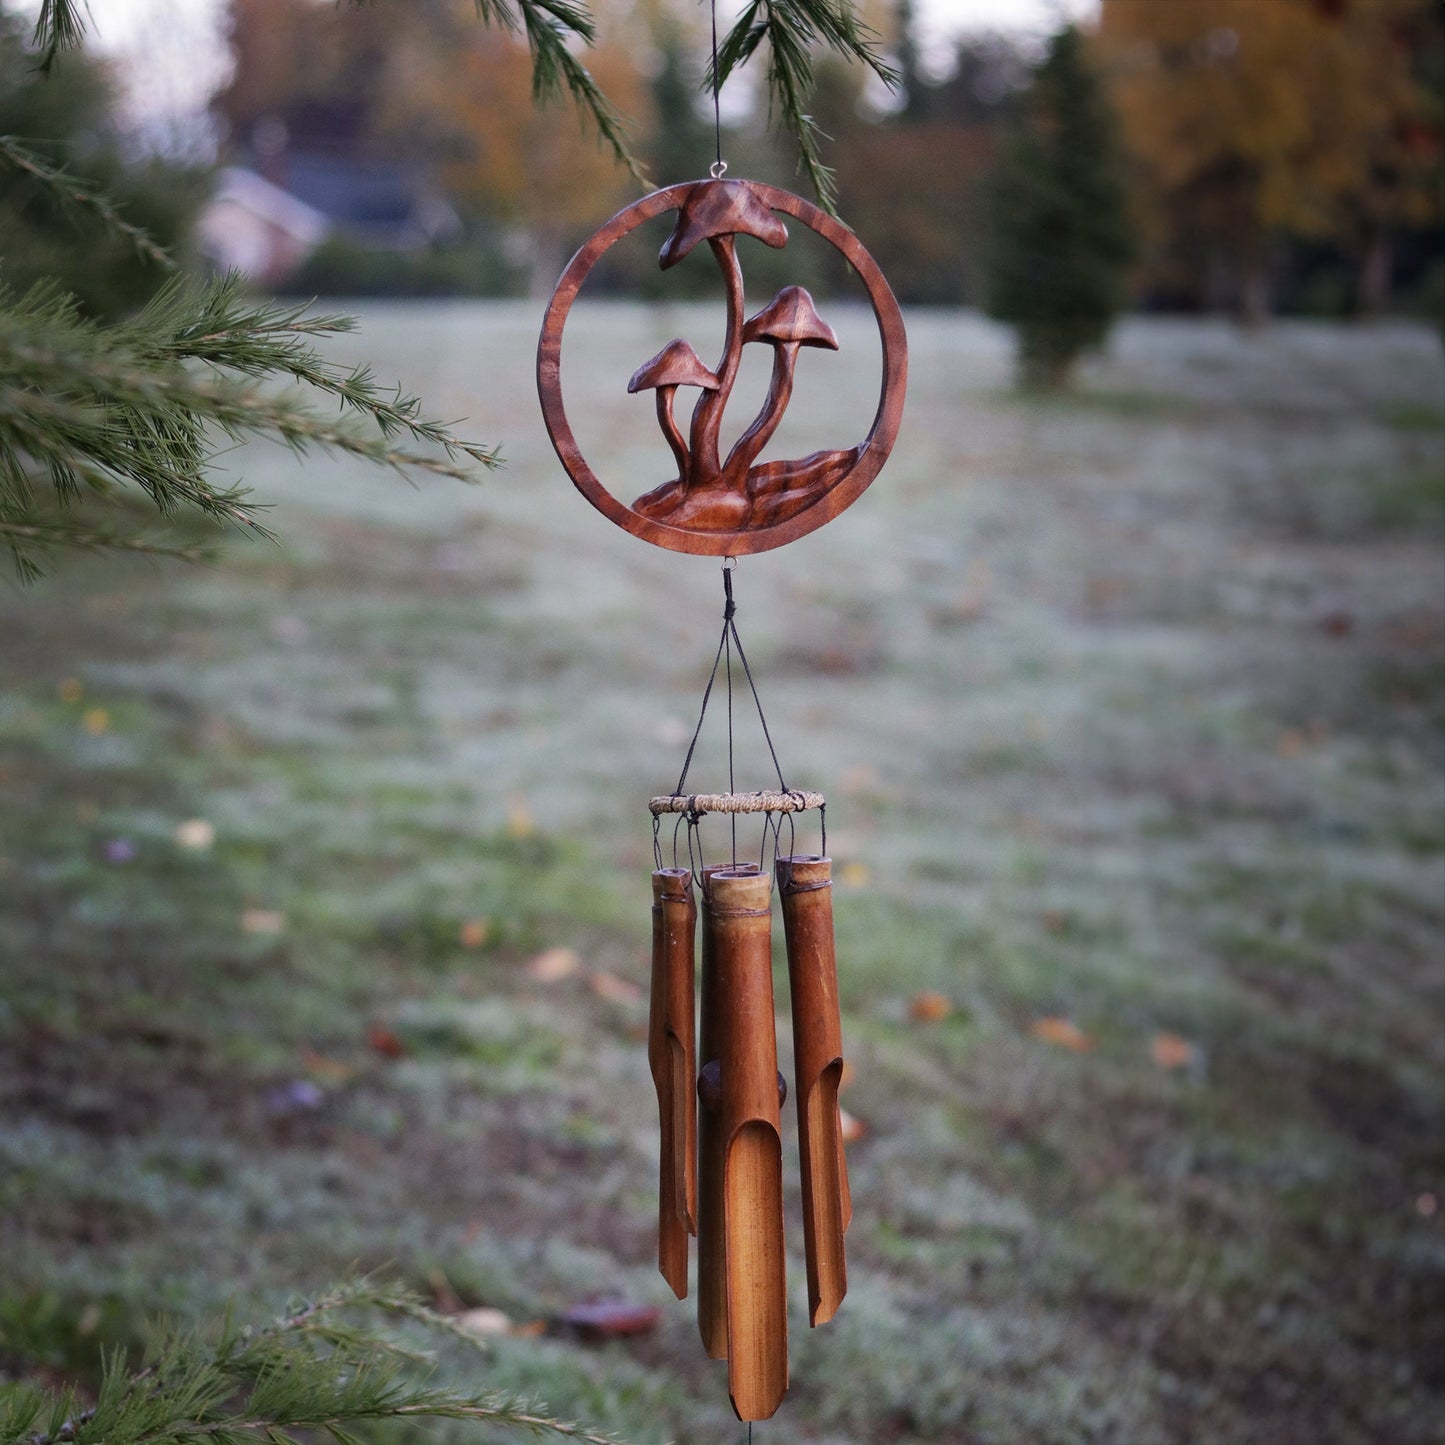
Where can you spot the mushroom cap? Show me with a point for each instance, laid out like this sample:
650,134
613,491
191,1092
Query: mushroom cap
720,208
791,317
677,364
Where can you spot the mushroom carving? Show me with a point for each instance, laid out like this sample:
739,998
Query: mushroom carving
739,497
677,364
709,495
718,212
789,321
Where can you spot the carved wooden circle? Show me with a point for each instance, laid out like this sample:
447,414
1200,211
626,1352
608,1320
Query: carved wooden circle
838,478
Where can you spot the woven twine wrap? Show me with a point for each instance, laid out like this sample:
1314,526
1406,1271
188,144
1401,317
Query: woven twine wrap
775,802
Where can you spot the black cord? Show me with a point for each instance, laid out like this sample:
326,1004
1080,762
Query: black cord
725,645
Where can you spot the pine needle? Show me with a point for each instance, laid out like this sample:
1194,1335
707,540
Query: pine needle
793,30
59,25
82,195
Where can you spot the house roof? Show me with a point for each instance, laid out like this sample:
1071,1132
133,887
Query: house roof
282,209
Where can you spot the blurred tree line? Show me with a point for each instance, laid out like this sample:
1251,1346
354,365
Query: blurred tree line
1281,156
1285,156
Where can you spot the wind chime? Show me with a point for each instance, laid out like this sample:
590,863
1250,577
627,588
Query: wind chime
712,1042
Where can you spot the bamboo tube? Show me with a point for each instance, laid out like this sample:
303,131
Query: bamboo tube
739,919
805,886
671,1054
712,1306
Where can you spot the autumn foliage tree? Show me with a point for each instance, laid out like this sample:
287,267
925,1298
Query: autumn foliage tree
427,88
1256,122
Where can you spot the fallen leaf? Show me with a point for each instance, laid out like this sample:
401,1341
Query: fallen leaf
609,1319
95,720
850,1127
1171,1051
485,1322
384,1041
196,834
71,690
323,1066
554,965
262,920
1290,744
474,932
929,1008
520,823
1063,1032
612,988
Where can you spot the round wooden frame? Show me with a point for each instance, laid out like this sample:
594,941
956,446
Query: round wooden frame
875,447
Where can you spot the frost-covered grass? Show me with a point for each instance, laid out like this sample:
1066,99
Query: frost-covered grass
1129,709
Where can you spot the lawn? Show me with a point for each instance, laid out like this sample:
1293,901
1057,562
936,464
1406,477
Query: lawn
324,893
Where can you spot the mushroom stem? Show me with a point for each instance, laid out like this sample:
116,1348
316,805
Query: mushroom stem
780,389
708,413
670,429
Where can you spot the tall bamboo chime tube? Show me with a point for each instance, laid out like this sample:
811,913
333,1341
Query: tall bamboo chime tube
743,1094
671,1052
711,1043
806,886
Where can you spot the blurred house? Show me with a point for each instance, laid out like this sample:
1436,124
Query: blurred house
254,227
266,226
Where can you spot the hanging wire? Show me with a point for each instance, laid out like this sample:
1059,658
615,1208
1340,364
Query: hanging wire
723,658
719,165
732,787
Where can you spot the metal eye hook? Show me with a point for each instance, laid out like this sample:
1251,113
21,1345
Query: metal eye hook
717,170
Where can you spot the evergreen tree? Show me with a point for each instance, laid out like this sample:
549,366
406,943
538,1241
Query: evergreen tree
681,136
70,115
1062,236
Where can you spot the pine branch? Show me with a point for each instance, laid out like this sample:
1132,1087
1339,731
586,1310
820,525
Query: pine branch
60,25
548,26
793,29
87,409
261,1387
81,195
42,535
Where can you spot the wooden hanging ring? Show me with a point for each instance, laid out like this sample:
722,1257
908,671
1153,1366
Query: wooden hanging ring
817,488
